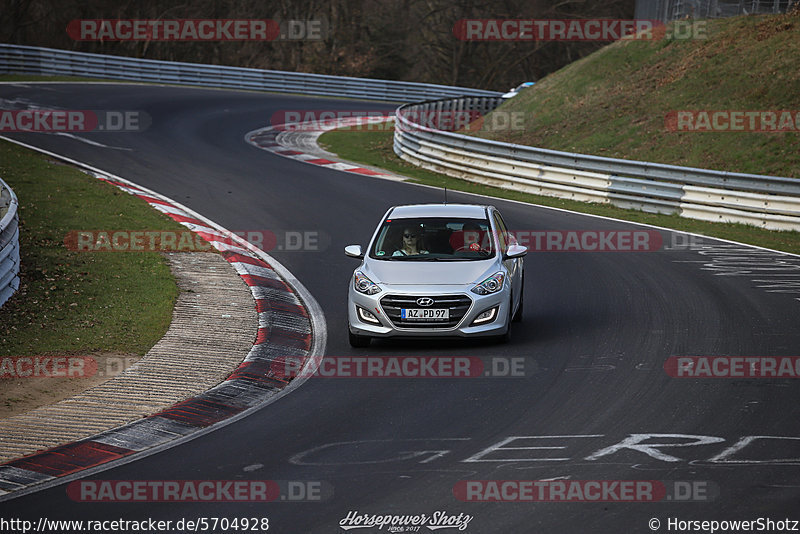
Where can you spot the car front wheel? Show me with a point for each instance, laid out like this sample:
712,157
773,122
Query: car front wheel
506,337
518,316
358,341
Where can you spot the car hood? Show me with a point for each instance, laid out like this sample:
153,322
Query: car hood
429,272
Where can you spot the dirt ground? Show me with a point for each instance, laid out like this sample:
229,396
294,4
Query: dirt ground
27,383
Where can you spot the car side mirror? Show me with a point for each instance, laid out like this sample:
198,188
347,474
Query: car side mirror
354,251
515,251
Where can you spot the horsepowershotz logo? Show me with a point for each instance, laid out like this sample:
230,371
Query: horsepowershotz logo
405,523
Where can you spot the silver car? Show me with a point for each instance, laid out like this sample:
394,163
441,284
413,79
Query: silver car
436,270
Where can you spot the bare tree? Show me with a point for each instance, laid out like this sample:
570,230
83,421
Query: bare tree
392,39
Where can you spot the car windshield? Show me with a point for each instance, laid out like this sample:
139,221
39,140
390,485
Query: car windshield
434,239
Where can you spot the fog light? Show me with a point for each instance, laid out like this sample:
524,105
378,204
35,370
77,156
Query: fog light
367,316
486,317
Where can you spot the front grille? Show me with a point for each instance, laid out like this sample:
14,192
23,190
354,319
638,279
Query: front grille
457,304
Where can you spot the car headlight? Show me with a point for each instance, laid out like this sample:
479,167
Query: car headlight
493,284
362,284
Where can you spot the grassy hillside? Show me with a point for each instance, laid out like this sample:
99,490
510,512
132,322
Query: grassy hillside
614,102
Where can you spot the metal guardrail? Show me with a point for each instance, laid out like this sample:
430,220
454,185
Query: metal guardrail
52,62
668,10
766,201
9,243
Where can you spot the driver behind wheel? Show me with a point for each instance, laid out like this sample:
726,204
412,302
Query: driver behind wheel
471,238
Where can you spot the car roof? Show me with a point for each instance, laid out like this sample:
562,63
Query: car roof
467,211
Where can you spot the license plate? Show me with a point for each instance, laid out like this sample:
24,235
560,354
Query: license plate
425,314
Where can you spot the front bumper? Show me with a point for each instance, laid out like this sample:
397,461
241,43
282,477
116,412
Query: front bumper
464,328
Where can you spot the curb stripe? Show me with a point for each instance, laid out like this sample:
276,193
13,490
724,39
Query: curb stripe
269,283
264,305
167,210
200,412
142,434
368,172
13,478
260,371
151,200
235,257
249,385
69,458
119,184
284,337
183,218
256,271
267,139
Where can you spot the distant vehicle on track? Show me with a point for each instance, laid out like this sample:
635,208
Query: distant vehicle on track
515,91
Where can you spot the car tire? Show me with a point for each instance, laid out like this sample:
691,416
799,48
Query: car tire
518,316
357,341
506,337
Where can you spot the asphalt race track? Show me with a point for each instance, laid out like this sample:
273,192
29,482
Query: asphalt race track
597,331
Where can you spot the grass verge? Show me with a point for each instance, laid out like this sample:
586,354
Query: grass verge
80,302
375,148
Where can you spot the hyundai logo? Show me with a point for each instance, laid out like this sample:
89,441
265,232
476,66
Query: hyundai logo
425,301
